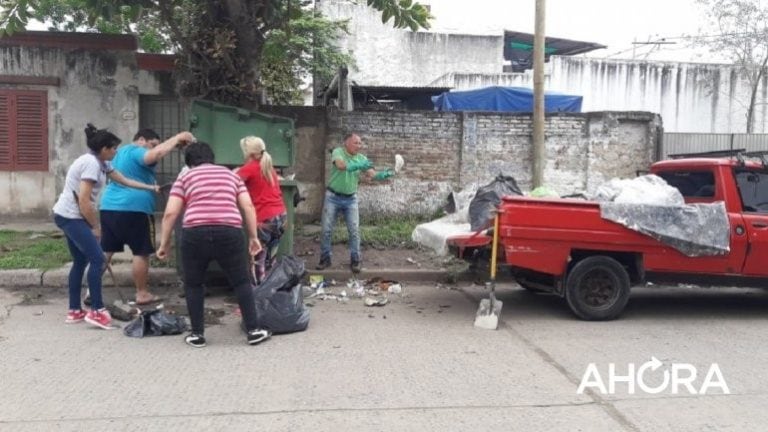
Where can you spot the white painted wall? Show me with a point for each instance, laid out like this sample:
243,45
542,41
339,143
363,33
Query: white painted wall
387,56
100,87
691,97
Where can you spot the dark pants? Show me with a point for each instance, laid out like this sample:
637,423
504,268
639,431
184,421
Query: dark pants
226,245
86,252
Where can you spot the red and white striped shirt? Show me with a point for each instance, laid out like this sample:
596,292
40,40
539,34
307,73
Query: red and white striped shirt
210,195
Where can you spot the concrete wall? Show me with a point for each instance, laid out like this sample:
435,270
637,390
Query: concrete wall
707,98
449,151
387,56
310,123
101,87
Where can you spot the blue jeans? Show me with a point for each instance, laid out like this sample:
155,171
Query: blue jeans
347,206
85,251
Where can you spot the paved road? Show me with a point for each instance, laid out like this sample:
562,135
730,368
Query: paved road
416,364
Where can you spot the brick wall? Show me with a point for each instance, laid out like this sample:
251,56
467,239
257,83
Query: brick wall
429,142
451,150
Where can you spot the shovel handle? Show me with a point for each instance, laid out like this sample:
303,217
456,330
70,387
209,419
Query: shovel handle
494,249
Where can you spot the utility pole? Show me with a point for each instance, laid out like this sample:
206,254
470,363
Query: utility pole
539,151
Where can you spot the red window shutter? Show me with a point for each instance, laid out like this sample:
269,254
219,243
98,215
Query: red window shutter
31,152
5,131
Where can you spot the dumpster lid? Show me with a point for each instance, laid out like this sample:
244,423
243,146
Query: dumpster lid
222,126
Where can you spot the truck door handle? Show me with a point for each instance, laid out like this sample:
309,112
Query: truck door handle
760,224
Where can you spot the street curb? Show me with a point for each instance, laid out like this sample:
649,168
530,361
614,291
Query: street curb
21,277
58,278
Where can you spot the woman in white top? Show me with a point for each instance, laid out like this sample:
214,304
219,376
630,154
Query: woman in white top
75,213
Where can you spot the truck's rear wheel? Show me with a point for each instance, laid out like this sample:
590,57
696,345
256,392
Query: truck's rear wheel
597,288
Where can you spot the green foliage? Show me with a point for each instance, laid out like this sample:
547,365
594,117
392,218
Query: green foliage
228,49
305,47
382,232
406,13
19,251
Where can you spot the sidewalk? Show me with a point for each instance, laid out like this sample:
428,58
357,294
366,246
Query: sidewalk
164,276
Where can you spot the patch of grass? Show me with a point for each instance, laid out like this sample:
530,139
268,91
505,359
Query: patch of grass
31,250
382,232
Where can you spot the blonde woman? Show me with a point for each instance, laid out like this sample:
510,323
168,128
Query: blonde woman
263,186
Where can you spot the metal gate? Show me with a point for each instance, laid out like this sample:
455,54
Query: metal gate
682,143
166,116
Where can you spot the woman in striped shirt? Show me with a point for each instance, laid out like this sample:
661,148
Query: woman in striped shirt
211,197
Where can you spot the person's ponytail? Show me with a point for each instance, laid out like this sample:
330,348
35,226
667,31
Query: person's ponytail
254,147
90,131
97,139
266,167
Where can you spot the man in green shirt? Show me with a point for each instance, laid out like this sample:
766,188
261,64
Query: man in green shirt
347,164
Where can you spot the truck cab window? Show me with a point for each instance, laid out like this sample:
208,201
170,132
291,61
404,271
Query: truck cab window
691,184
753,188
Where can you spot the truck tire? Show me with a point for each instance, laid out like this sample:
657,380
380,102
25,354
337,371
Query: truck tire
597,288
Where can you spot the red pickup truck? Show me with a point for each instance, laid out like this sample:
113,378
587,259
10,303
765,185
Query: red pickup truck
565,247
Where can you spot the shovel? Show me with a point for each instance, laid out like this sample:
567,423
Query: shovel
488,313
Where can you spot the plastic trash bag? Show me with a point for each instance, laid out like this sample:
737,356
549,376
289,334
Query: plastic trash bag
544,192
155,323
279,299
648,189
483,206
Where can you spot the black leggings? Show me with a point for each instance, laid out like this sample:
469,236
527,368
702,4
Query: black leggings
226,245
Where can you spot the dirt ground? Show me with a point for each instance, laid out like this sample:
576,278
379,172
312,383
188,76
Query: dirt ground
307,246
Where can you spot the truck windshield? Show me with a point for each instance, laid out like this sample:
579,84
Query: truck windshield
753,187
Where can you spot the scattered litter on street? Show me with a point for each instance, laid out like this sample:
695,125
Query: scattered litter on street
376,302
413,261
357,287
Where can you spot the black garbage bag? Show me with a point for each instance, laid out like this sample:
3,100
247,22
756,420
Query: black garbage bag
488,198
155,323
279,300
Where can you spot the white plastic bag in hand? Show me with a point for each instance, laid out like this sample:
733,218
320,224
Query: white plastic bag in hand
399,162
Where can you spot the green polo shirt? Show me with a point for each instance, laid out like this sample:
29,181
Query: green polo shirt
343,181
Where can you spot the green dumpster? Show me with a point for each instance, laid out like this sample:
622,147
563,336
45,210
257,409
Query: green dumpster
222,127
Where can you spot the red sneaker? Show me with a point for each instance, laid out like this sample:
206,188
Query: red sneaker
75,316
99,318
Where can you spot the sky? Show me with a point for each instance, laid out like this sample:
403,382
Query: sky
615,23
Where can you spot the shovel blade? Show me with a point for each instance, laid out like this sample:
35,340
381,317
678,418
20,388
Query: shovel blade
488,314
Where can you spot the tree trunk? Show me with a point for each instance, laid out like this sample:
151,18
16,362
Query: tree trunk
222,60
249,43
753,96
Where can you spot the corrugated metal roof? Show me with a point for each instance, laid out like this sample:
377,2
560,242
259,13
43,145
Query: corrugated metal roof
518,48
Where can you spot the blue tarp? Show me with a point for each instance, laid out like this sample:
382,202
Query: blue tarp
508,99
